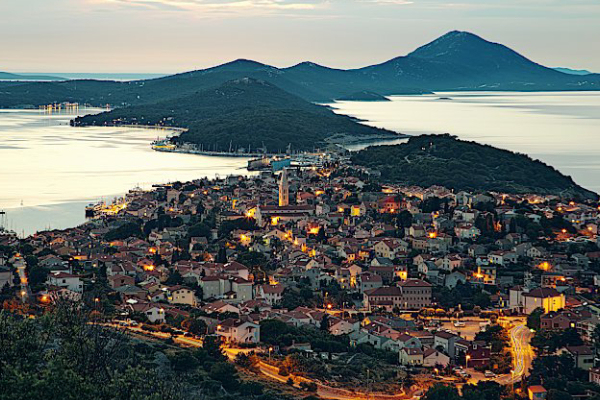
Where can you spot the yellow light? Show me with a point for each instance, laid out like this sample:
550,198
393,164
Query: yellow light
564,231
314,231
329,306
218,327
274,220
432,235
149,267
44,298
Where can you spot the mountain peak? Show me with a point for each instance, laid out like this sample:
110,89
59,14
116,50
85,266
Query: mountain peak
452,42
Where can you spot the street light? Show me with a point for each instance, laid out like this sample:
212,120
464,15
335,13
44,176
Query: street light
467,358
270,350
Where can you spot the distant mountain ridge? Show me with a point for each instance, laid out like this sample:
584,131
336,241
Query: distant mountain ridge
28,77
572,71
455,61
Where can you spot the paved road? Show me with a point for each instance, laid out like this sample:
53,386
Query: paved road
520,337
270,371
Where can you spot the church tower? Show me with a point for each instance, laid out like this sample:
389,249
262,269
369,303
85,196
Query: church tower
284,189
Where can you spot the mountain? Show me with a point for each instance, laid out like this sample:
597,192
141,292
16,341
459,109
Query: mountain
572,71
464,61
245,113
461,165
28,77
454,61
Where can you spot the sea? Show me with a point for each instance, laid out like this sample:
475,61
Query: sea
49,171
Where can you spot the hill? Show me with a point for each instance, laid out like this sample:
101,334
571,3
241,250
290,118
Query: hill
244,113
28,77
454,61
464,61
461,165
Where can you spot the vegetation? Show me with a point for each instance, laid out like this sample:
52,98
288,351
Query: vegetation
244,113
461,165
62,355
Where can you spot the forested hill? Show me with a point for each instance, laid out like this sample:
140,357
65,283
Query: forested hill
461,165
244,113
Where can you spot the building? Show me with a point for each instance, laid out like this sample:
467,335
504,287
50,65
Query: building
416,294
409,356
284,189
272,294
234,330
65,280
547,298
181,295
536,392
583,356
412,294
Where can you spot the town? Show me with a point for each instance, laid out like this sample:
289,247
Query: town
325,281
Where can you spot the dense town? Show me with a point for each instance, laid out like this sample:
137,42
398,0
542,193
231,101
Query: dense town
326,282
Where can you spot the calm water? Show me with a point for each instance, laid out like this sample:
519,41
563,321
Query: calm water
54,170
561,129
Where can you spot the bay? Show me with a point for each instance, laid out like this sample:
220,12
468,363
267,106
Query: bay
49,170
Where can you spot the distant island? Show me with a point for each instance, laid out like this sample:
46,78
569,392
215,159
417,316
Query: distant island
456,61
572,71
7,76
243,115
364,95
461,165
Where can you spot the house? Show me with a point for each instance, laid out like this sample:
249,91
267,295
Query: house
410,356
594,376
119,280
65,280
547,298
446,341
536,392
583,356
237,331
6,277
154,312
433,358
338,326
272,294
181,295
478,356
369,281
452,280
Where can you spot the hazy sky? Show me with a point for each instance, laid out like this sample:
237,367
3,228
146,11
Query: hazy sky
179,35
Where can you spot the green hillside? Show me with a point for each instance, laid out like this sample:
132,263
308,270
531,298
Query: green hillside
444,160
244,113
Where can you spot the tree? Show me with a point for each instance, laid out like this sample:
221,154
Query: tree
533,319
441,392
195,326
226,374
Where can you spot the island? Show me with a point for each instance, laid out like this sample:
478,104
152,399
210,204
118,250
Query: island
462,165
242,116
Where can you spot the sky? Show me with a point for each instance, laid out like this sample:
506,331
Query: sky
168,36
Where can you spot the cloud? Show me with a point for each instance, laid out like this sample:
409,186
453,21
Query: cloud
218,5
389,2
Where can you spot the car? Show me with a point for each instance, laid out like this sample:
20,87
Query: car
489,374
459,324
